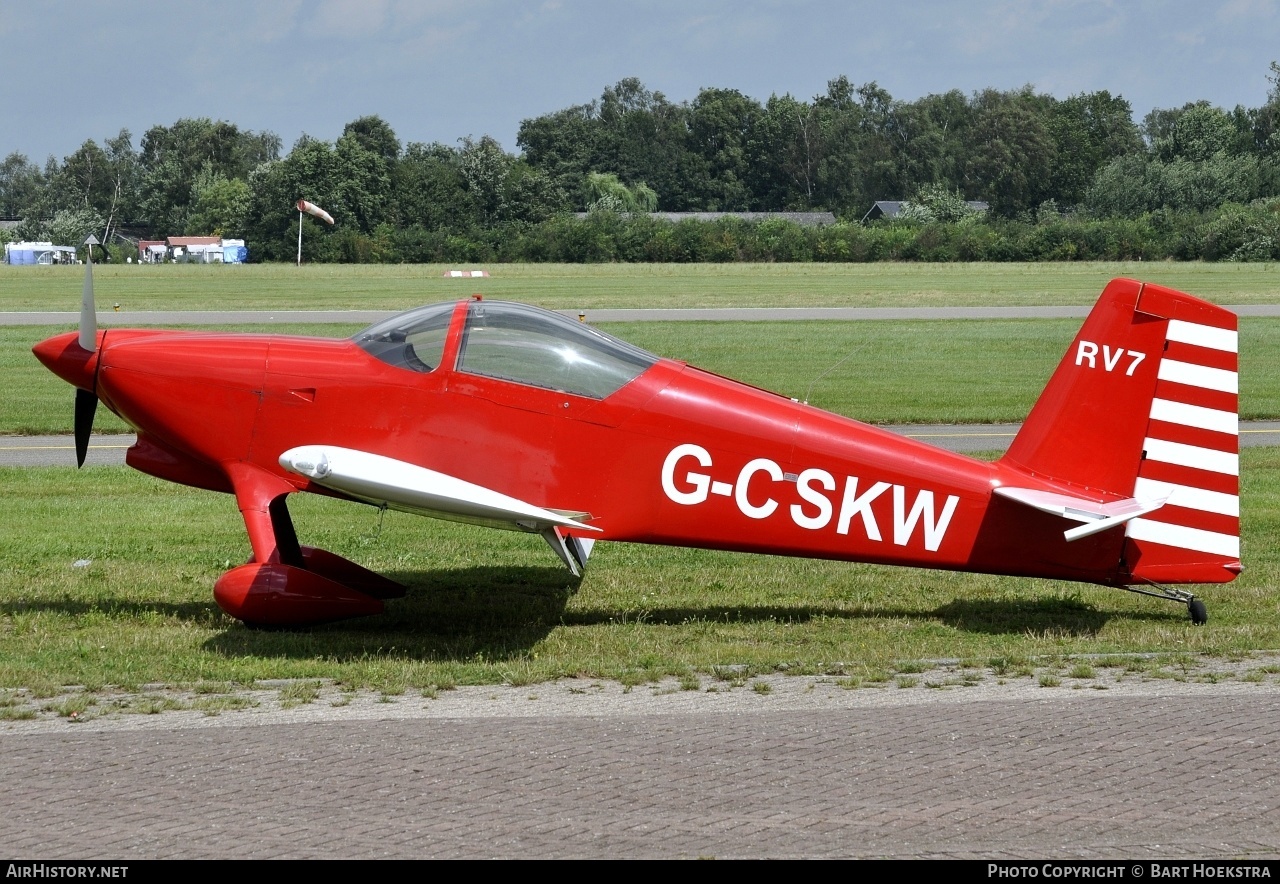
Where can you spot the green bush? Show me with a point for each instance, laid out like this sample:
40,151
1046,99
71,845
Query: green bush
1232,232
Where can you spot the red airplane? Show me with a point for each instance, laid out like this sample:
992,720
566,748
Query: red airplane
1125,473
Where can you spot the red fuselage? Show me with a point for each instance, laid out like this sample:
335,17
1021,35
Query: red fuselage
674,456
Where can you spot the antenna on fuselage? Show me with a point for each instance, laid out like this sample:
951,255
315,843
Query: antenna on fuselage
814,382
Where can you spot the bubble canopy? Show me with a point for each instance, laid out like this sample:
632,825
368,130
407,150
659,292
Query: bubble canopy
511,342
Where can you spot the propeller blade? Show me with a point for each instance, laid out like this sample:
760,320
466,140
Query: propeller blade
86,406
88,311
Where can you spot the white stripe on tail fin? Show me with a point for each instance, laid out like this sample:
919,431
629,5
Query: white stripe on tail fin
1144,406
1192,444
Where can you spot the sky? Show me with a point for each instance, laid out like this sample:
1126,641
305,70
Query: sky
442,70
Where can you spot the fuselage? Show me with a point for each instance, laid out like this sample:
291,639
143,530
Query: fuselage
673,455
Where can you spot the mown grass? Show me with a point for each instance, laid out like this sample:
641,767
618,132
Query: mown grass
489,607
919,371
588,286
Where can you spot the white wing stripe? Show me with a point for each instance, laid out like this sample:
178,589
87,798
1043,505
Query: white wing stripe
403,485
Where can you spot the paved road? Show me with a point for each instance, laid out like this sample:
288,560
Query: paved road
39,451
734,314
1152,769
55,451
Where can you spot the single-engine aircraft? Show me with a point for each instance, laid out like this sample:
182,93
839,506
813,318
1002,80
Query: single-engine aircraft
1125,473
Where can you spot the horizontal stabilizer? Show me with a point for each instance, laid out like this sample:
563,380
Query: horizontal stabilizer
1095,516
384,481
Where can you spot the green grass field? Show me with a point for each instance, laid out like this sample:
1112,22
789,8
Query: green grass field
587,286
488,607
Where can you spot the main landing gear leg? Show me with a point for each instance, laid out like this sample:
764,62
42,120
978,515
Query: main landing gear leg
1195,606
286,584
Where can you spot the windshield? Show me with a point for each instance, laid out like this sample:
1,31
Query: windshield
529,345
413,340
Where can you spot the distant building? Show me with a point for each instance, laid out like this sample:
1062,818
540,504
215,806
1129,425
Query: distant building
891,208
883,209
188,249
151,251
234,251
804,219
38,253
205,250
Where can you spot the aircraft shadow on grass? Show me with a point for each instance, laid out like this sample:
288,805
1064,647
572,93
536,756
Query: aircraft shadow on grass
994,617
501,612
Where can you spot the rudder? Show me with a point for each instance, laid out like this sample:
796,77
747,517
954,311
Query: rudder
1144,405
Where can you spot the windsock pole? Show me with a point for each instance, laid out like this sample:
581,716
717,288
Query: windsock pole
310,209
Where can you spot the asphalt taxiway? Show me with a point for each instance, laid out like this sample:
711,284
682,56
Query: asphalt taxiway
107,450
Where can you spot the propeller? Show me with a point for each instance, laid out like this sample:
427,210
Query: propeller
86,407
86,401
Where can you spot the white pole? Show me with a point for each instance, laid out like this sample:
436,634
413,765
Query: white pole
299,237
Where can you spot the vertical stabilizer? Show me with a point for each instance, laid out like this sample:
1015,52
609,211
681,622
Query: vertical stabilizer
1144,405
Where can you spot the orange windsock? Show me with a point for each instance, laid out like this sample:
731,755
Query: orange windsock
313,209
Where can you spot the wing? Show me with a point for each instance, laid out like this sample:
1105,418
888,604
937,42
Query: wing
1096,516
384,481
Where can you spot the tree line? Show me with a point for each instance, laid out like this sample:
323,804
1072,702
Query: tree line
1069,178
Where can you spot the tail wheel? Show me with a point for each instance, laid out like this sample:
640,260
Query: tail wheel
1199,616
1195,606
